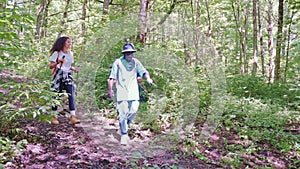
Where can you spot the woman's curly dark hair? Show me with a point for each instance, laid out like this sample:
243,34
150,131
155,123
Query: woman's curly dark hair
59,44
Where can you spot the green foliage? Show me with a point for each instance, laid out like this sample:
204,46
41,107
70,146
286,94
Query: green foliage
14,47
31,99
260,122
204,87
9,148
251,86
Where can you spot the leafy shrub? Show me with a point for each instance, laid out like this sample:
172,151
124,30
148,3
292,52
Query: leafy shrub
253,86
29,99
9,148
260,122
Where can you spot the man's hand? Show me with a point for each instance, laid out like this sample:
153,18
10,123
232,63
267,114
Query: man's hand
110,93
150,81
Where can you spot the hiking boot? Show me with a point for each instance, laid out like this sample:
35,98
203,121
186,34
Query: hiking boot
74,120
54,121
124,140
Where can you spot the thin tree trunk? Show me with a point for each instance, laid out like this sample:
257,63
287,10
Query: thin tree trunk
45,19
279,41
105,9
65,16
39,20
262,51
246,57
270,42
209,21
240,32
288,47
143,21
255,48
83,26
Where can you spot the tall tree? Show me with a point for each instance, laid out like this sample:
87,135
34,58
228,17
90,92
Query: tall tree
45,19
209,33
105,9
246,57
143,21
65,16
39,20
239,28
270,41
287,49
279,41
261,40
83,26
255,48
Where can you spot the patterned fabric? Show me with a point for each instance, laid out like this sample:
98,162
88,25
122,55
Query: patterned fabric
61,79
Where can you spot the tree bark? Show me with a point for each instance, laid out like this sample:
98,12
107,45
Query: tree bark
39,20
65,16
255,48
105,10
288,46
105,7
261,40
241,37
279,42
83,26
246,57
143,21
45,19
209,21
270,42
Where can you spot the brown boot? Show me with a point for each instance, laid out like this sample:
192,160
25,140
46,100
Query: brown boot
54,121
74,120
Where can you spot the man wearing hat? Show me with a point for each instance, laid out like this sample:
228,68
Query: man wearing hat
124,72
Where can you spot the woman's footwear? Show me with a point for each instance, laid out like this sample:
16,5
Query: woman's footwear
54,121
74,120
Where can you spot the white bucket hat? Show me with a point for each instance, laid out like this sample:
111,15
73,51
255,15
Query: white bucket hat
128,48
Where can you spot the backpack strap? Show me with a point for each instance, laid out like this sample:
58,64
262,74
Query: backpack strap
54,69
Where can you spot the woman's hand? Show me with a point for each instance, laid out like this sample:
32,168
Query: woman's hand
75,69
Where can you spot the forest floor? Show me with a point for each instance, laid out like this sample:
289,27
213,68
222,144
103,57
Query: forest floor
94,143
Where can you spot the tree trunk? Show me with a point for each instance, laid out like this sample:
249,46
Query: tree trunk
143,21
65,16
279,41
246,57
270,42
209,33
83,26
262,51
39,20
105,10
288,46
255,48
45,19
241,37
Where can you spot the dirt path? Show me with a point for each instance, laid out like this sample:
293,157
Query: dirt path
93,144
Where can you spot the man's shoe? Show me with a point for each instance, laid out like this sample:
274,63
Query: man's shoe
74,120
124,140
54,121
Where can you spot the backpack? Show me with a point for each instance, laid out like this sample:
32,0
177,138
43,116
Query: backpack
55,68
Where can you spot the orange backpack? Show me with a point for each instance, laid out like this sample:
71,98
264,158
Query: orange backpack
54,69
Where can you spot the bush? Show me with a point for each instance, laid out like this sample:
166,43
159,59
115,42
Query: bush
260,122
29,99
255,87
